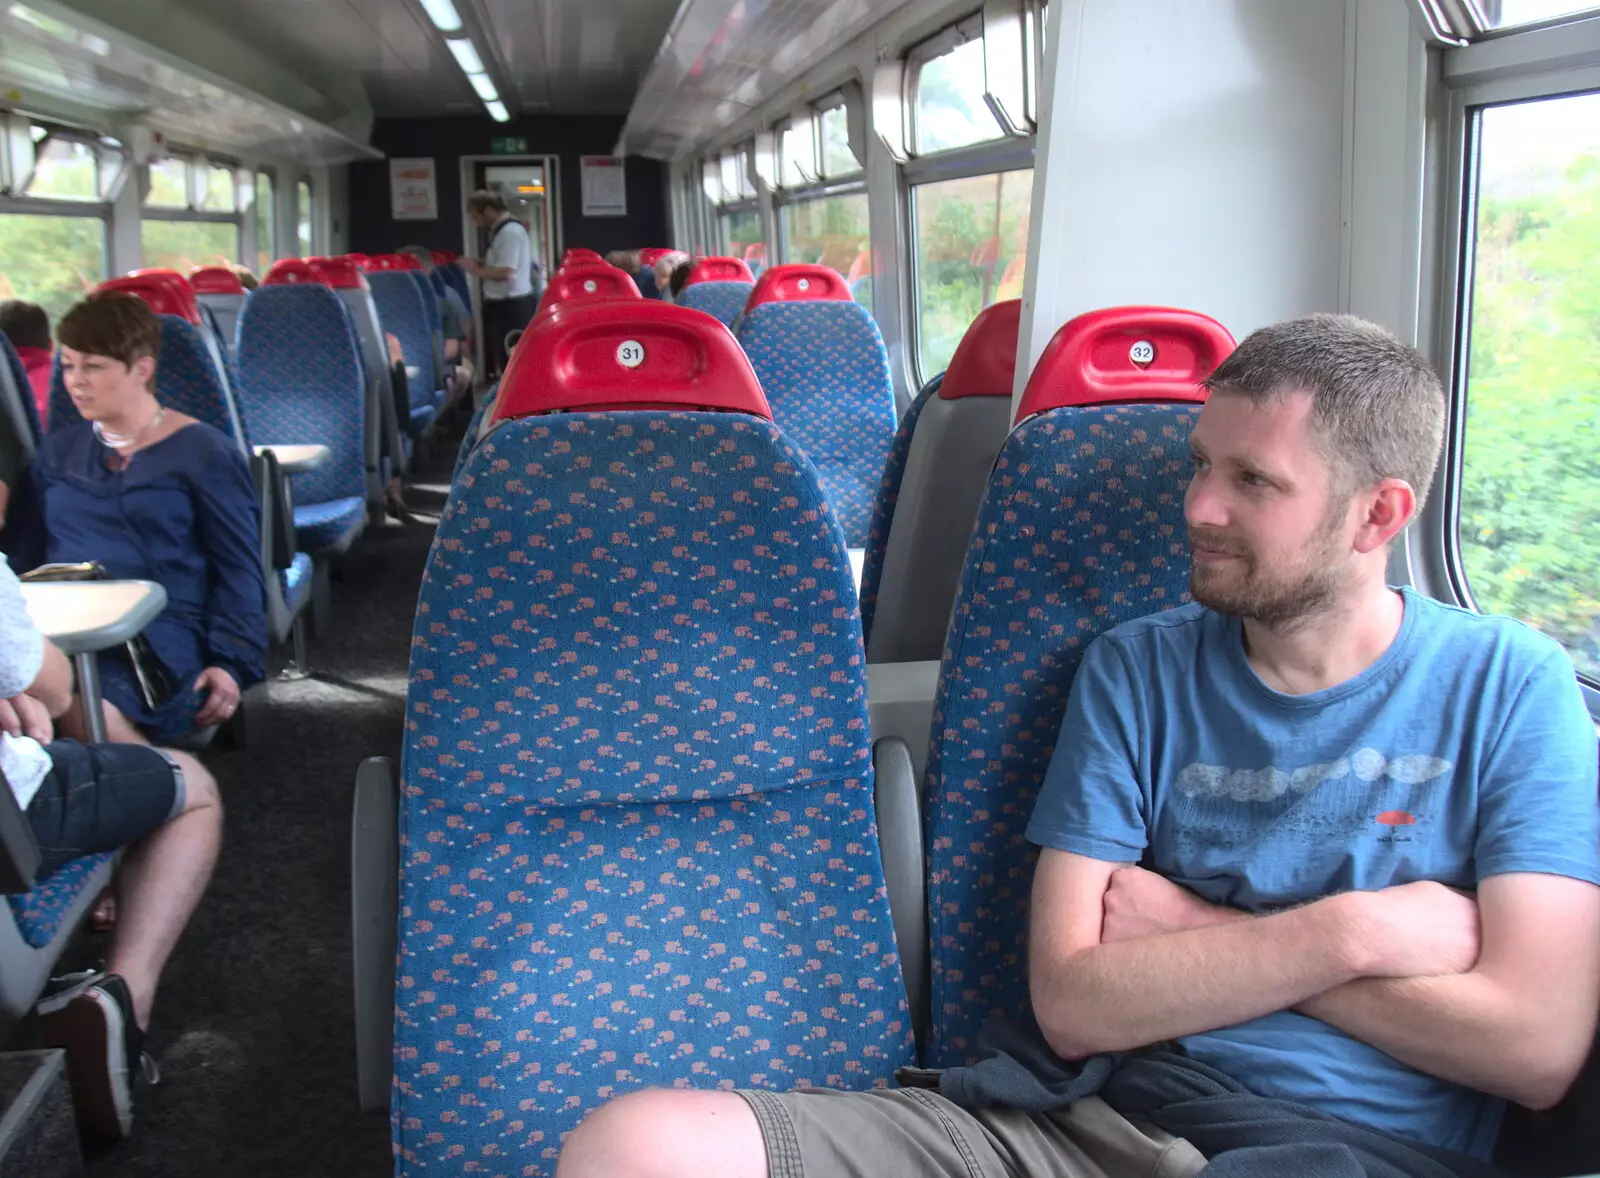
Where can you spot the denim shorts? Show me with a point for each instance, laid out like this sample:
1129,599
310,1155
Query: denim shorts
101,797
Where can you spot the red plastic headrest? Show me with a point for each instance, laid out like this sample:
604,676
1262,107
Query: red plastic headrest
580,255
799,282
613,355
1127,354
214,280
444,257
576,283
339,273
756,251
719,270
393,262
985,363
359,259
166,292
649,257
292,272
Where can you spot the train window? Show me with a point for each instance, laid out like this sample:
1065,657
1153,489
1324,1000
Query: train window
219,191
1528,541
741,233
798,149
838,159
833,231
183,245
302,207
51,260
1503,14
971,250
947,82
169,184
65,169
266,221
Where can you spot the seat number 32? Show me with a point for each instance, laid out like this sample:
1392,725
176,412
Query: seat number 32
1142,352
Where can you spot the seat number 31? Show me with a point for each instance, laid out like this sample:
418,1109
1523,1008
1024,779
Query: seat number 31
630,353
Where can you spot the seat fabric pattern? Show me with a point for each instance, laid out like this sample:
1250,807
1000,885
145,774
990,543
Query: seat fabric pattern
1081,529
637,831
301,381
186,380
894,469
721,300
825,372
401,313
324,525
40,912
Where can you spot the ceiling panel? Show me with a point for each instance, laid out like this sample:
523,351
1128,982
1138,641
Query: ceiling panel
726,56
578,57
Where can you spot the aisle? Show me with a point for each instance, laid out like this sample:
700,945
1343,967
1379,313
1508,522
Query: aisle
254,1024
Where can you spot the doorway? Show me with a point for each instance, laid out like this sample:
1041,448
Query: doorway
529,185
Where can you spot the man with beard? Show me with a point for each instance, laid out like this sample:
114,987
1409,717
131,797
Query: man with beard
1337,842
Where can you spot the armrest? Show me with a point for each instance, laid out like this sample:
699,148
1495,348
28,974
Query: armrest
899,815
900,703
19,850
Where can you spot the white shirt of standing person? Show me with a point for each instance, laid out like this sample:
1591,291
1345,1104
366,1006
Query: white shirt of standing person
22,759
513,250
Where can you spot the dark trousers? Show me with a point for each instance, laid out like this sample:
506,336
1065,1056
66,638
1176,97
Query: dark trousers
500,318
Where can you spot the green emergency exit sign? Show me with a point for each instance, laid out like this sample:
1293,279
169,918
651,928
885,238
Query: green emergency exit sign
508,145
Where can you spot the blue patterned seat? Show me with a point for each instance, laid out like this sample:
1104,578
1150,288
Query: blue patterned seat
637,837
1081,529
825,371
41,912
301,381
720,300
39,926
401,314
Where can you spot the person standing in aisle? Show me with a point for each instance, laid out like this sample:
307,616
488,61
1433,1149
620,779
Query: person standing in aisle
507,275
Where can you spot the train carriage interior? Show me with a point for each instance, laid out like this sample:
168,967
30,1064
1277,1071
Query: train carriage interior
678,452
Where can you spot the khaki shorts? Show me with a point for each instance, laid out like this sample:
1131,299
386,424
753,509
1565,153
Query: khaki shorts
913,1132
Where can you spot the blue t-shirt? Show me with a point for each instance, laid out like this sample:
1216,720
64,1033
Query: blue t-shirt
1465,751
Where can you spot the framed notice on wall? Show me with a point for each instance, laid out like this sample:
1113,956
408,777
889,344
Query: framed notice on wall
605,186
413,195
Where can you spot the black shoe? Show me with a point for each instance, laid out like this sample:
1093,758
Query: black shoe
93,1020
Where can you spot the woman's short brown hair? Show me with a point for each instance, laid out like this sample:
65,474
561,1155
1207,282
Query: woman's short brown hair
112,324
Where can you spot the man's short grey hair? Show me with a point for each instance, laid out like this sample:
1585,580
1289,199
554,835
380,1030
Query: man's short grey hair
423,256
1377,409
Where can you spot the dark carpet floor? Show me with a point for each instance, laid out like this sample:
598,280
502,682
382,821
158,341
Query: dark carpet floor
253,1024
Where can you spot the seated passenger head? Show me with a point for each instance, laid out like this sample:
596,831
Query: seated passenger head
109,347
25,324
424,257
484,207
247,277
665,265
680,277
625,260
1316,447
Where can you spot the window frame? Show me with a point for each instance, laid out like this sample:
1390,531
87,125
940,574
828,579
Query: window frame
196,165
1474,82
311,214
800,196
967,30
271,244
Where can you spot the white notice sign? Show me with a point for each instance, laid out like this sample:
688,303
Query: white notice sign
412,194
605,186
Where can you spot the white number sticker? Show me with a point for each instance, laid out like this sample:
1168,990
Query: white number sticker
588,286
804,284
630,353
1142,352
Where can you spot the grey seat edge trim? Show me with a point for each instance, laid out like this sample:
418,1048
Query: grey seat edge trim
899,815
374,910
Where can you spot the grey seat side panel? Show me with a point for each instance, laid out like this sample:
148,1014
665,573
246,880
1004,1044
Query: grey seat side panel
11,404
946,472
380,399
898,810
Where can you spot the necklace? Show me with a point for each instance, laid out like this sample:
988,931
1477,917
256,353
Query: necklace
121,442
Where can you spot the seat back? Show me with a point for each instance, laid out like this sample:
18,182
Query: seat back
1081,528
932,483
653,254
402,314
391,262
16,399
22,535
579,254
218,290
637,835
826,374
579,282
800,282
345,279
301,379
186,380
718,286
168,293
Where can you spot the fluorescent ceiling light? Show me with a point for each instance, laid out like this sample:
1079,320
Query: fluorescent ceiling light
466,54
484,85
443,14
498,112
